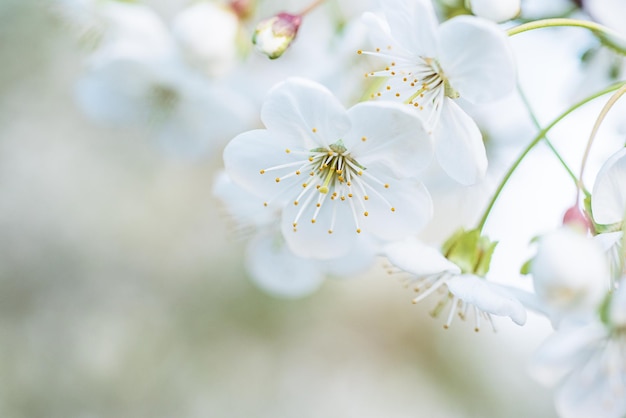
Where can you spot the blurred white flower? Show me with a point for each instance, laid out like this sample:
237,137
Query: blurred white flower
608,206
100,22
207,35
272,266
338,173
588,363
131,83
463,290
570,273
495,10
431,65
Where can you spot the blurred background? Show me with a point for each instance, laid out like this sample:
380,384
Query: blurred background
123,293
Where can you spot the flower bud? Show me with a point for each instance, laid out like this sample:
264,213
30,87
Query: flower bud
272,36
570,272
576,218
495,10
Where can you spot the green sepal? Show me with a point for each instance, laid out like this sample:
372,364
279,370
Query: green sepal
604,309
525,269
470,251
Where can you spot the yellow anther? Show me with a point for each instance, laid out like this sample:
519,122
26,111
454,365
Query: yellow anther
366,197
386,186
359,52
287,150
262,171
297,172
363,139
295,202
365,213
312,221
330,231
277,179
314,130
358,231
393,209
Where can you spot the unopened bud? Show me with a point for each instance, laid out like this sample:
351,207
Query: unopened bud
242,8
272,36
576,218
495,10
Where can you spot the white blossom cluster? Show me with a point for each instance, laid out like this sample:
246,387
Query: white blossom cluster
329,150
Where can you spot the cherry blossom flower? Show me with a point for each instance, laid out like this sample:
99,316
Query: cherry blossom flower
271,265
338,173
429,66
207,36
100,22
587,363
569,273
462,288
135,84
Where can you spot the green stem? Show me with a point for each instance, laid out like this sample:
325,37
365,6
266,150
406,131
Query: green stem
547,23
548,142
534,142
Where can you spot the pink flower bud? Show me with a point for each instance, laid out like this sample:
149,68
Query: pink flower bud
272,36
576,218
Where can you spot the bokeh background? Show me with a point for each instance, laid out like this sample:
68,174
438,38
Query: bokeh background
123,292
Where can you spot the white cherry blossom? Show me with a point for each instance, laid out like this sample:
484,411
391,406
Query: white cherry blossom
137,84
570,273
431,272
429,66
339,173
587,363
207,36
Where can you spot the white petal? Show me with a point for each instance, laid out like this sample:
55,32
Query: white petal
275,269
207,35
496,10
488,297
189,132
312,240
477,59
249,153
389,135
243,206
564,351
115,89
570,271
413,25
608,200
459,145
133,23
589,392
361,257
412,210
306,112
608,240
417,258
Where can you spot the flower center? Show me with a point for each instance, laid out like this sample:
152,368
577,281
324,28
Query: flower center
331,174
420,82
162,99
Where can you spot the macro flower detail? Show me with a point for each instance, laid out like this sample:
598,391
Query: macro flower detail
336,172
429,66
273,36
459,275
